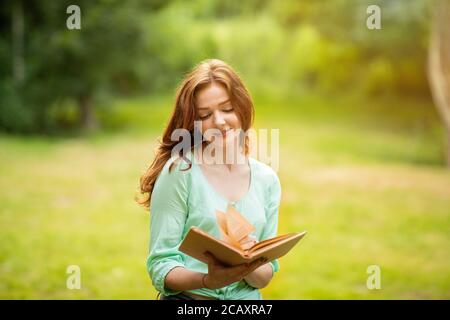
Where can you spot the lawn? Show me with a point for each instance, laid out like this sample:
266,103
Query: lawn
364,178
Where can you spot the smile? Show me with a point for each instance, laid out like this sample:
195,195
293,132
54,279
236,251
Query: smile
225,132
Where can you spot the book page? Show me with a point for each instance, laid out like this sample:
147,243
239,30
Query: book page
267,242
223,226
233,226
238,226
197,242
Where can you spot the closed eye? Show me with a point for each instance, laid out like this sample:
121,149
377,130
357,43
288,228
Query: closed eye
208,115
205,117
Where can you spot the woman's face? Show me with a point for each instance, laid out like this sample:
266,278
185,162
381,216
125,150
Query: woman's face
215,111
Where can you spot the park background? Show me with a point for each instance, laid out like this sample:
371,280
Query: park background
363,145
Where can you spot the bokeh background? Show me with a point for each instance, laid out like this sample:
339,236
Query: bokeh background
363,139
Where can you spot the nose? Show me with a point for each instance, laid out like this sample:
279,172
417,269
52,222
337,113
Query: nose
218,119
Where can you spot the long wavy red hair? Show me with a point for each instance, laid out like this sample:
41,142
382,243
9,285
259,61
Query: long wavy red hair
184,114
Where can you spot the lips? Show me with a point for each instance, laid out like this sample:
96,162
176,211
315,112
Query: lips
224,132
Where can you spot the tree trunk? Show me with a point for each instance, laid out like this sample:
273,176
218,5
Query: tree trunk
87,115
439,64
17,28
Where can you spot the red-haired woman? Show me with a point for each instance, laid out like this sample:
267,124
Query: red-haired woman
184,187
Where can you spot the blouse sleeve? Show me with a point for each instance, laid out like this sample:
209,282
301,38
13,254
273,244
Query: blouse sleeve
272,206
168,212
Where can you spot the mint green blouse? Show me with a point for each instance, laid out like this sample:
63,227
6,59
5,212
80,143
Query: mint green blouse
182,199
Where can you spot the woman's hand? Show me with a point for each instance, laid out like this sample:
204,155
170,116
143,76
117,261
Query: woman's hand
220,275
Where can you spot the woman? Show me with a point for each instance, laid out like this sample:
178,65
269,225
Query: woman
186,188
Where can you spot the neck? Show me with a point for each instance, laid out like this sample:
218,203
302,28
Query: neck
222,156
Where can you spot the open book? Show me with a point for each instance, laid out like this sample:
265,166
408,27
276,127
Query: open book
235,228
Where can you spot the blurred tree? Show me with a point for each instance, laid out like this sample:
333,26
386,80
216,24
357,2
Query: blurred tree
52,64
18,43
123,47
348,53
439,64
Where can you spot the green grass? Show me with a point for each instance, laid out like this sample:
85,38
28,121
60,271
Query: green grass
368,183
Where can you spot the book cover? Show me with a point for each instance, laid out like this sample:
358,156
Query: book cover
234,227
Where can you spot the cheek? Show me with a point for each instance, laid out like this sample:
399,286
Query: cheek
206,124
231,118
234,120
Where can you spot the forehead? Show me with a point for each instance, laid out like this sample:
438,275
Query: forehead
211,96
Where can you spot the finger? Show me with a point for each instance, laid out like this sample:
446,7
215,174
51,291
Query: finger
210,258
233,274
243,270
259,264
236,271
254,265
239,268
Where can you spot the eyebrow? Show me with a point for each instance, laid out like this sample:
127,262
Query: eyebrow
220,103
